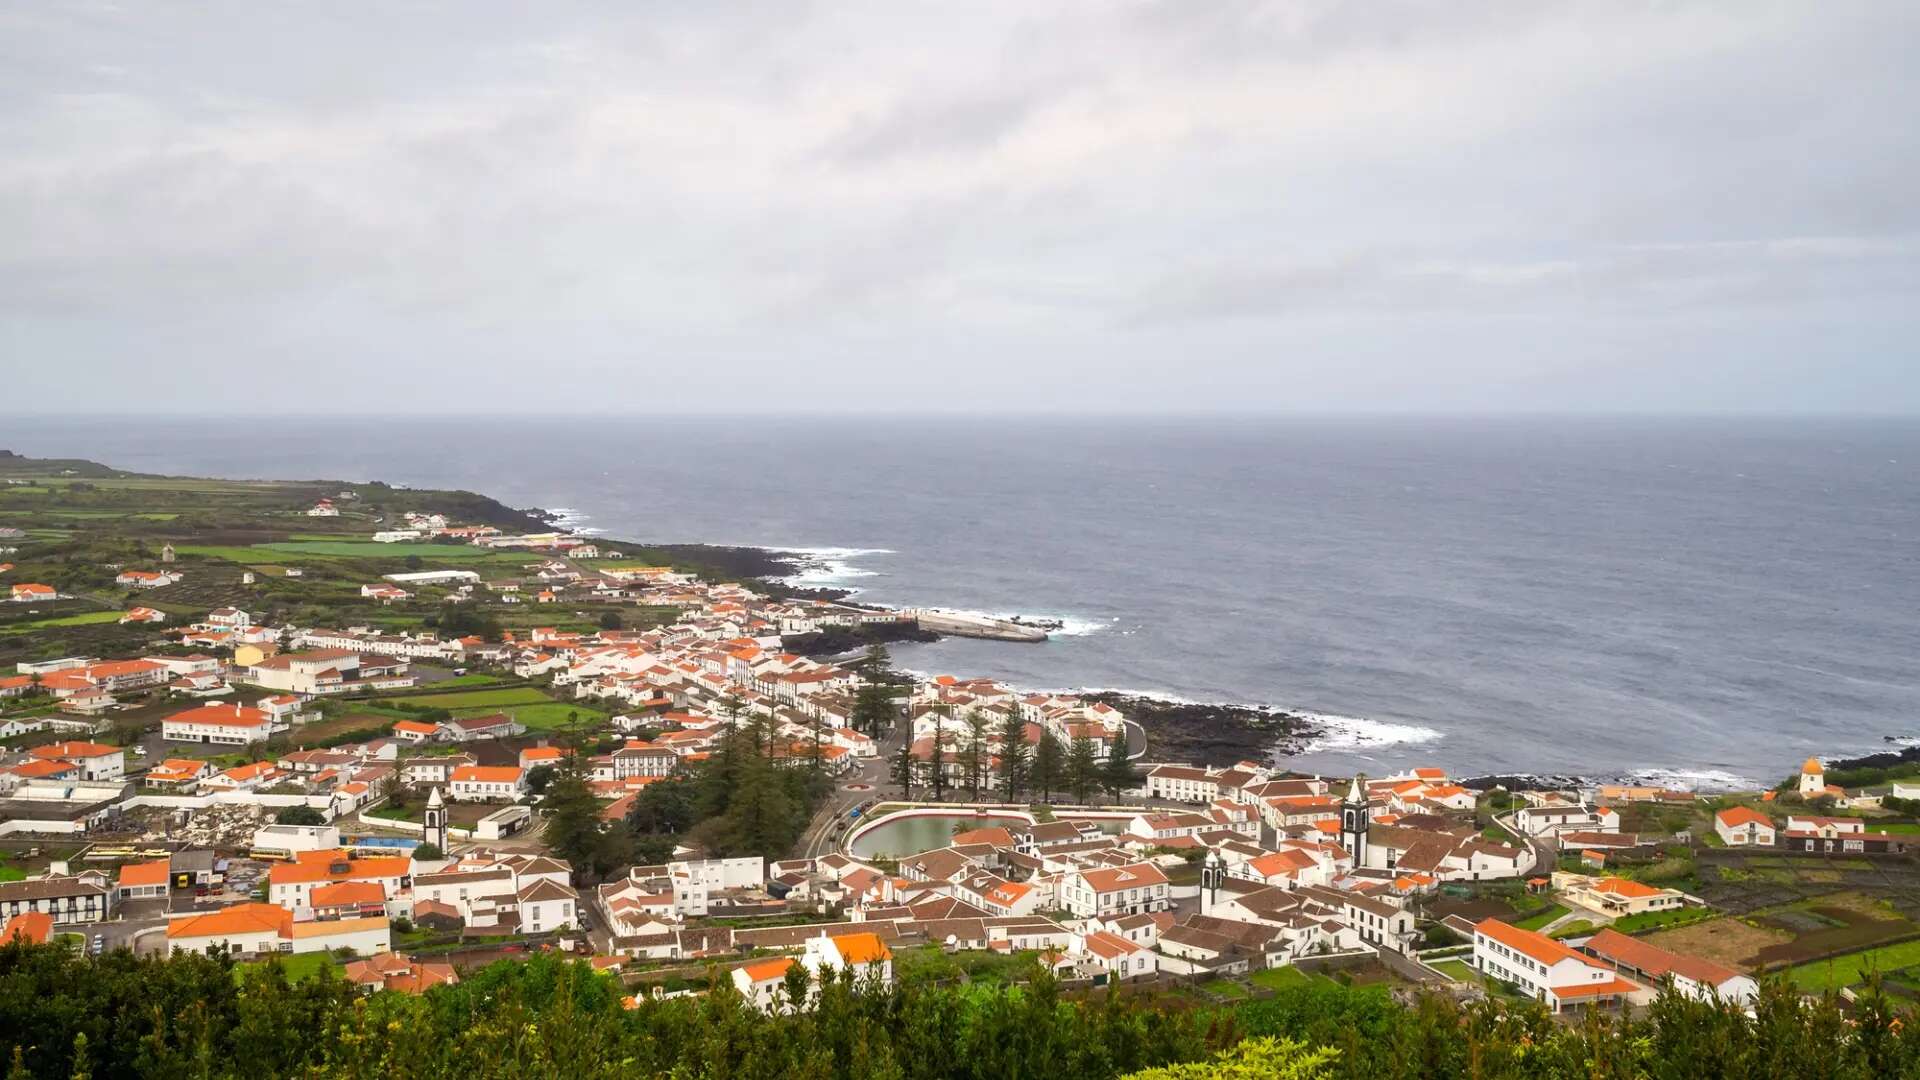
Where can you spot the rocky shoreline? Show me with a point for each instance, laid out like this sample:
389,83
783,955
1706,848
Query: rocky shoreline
1212,734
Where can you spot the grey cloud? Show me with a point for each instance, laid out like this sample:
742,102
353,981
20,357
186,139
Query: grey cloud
1302,205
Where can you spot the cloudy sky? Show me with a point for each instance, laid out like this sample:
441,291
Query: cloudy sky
1111,205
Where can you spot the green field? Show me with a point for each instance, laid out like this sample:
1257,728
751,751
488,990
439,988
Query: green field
1896,827
85,618
1647,920
234,554
1851,968
549,717
1535,922
476,699
1280,978
302,966
367,549
1457,970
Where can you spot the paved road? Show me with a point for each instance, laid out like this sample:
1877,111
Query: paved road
820,837
1407,967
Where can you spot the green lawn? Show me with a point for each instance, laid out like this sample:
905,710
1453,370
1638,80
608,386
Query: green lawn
1457,970
466,680
1573,928
1896,827
1280,978
1225,988
12,873
235,554
1851,968
1535,922
549,717
476,699
367,549
1675,917
299,967
85,618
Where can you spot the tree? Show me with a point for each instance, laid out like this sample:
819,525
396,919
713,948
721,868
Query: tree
428,852
611,621
974,758
1015,754
393,790
1254,1059
413,562
873,710
538,778
574,830
1116,773
299,815
1083,768
938,764
1047,765
903,766
876,665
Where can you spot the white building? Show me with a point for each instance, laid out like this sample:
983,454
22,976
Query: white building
1115,890
1743,826
1544,969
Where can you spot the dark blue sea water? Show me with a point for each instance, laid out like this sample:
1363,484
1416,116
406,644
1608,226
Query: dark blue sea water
1714,598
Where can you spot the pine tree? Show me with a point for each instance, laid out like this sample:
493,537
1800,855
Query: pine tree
573,829
939,775
973,755
903,764
1014,756
1046,766
873,710
1083,768
1116,773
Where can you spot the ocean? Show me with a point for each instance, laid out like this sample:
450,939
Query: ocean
1700,601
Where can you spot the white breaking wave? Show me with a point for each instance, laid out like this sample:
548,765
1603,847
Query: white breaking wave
1359,733
567,519
1693,779
827,567
1054,625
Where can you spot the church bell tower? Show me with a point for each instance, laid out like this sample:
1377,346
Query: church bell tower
436,822
1212,873
1353,822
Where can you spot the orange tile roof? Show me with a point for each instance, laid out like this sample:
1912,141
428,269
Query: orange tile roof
333,866
74,750
330,927
1281,862
1109,879
861,948
1538,946
35,926
144,873
343,893
1625,887
488,774
238,919
43,768
420,726
1735,816
767,970
1586,990
222,716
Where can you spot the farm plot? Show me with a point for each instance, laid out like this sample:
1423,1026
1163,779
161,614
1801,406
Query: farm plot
475,699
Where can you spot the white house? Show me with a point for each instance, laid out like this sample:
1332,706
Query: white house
1690,975
1544,969
93,760
1743,826
487,783
1554,820
228,725
1115,890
